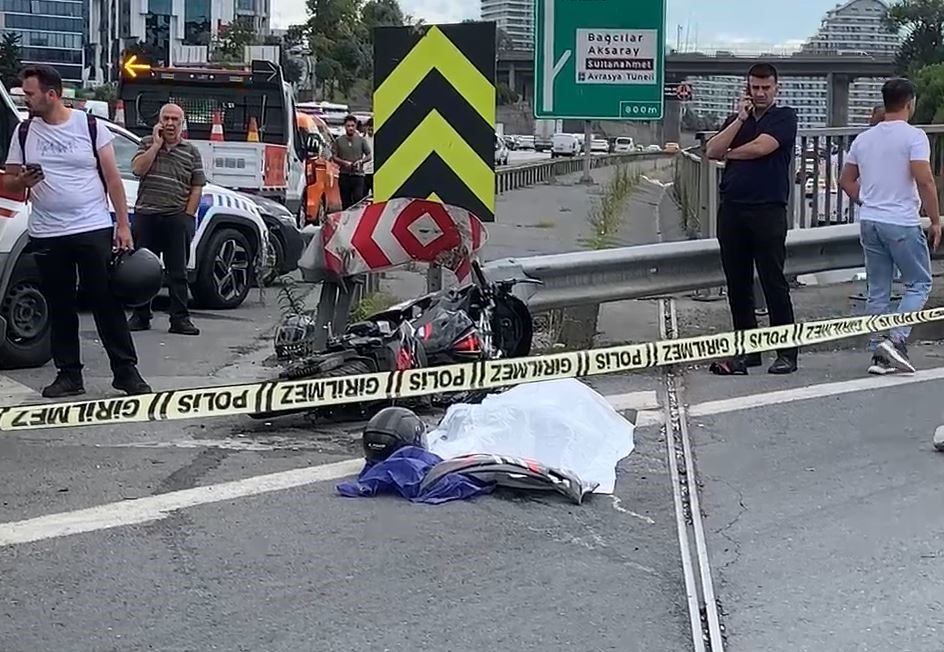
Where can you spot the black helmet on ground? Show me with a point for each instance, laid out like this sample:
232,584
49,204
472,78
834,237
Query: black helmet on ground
136,276
391,429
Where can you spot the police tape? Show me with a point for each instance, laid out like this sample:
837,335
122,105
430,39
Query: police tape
276,396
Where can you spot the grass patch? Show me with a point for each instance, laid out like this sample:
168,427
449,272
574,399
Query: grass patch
607,216
371,303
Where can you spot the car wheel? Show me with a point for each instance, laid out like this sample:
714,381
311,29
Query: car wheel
28,341
225,272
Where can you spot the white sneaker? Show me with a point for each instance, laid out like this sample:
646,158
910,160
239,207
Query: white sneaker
897,354
939,438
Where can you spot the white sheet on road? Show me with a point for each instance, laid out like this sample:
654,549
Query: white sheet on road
560,423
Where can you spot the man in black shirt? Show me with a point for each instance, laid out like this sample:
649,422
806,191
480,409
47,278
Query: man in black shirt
757,146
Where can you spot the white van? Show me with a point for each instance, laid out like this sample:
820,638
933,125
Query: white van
565,145
623,144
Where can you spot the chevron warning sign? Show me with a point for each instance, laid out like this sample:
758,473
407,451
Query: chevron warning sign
434,115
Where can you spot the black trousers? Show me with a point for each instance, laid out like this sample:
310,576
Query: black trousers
168,235
89,253
755,235
351,187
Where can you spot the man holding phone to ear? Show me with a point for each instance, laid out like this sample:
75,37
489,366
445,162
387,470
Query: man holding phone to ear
172,180
757,145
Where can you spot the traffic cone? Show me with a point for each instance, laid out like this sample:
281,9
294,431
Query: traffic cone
216,133
120,113
253,135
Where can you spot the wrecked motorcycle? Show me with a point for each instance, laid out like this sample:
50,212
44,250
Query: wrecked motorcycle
480,320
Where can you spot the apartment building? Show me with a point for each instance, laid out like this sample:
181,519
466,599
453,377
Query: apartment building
515,18
856,26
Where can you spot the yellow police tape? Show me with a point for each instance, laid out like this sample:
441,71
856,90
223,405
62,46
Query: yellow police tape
274,396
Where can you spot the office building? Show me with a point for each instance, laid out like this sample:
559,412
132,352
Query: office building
51,32
856,26
176,31
513,17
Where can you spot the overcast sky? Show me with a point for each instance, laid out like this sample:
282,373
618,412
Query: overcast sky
745,23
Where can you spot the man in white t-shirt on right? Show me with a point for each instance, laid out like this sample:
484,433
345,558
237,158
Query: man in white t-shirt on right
888,174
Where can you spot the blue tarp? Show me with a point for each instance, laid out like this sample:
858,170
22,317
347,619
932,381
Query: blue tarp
402,473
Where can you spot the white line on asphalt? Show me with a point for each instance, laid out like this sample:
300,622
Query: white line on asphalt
154,508
812,392
12,392
633,401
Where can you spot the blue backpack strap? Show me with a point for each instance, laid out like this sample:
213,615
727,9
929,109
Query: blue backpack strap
93,136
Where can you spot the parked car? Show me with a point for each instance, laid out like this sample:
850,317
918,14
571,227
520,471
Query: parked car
228,255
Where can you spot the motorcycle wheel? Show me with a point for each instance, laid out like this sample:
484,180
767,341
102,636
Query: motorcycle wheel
296,372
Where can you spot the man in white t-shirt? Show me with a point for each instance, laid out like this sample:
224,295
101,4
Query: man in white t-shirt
888,174
71,228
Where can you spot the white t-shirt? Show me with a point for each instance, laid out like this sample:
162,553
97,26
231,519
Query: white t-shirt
884,153
71,198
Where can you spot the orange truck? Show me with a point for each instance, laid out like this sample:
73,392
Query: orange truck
245,124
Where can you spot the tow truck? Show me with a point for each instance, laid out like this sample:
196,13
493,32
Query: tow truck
244,122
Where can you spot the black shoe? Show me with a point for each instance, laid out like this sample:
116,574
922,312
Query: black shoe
139,322
183,326
65,384
783,365
129,381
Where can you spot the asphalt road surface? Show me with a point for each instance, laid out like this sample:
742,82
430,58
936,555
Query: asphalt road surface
820,491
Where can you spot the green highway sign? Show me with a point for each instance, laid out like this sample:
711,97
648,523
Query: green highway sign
599,59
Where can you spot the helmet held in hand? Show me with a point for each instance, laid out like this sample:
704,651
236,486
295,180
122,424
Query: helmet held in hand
136,276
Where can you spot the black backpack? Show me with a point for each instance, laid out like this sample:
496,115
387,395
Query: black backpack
23,131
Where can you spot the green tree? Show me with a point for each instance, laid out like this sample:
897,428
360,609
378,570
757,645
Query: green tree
233,39
929,82
10,59
922,24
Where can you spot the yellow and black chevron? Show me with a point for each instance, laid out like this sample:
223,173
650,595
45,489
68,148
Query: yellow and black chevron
434,115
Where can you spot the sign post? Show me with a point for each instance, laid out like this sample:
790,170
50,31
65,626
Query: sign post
599,60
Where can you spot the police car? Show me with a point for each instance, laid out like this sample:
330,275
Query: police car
230,252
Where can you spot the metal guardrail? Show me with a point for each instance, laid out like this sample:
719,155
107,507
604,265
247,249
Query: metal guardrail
601,276
531,174
816,200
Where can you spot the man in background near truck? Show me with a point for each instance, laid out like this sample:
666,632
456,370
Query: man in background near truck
351,151
172,180
71,229
369,164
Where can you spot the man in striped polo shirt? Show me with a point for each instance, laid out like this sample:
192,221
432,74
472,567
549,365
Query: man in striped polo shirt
172,180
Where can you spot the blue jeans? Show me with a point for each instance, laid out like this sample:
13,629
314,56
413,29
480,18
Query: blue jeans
886,247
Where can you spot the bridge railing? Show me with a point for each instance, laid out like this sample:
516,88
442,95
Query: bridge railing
815,198
542,172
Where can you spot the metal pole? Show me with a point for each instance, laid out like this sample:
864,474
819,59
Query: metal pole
587,137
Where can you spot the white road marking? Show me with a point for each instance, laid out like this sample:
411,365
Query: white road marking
617,505
812,392
155,508
12,392
633,401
